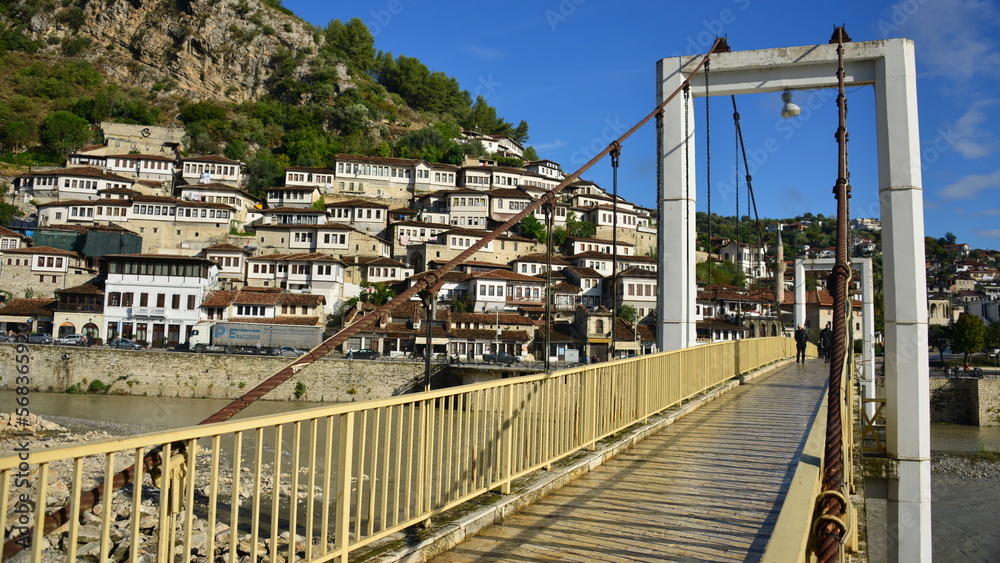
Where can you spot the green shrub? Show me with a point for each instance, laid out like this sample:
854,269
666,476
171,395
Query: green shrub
97,386
300,390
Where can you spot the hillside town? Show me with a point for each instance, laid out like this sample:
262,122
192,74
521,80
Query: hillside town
130,239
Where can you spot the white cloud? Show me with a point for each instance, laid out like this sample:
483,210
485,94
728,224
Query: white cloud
989,212
990,233
970,186
954,38
971,140
484,52
558,143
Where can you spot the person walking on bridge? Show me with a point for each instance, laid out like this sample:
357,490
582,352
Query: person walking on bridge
826,341
801,338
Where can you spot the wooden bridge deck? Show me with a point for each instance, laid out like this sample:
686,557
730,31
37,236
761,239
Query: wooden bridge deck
707,488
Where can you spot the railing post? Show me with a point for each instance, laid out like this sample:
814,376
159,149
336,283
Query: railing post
345,459
507,438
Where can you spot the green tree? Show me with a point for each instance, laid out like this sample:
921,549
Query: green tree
719,272
531,227
992,337
579,229
939,337
264,171
354,42
64,132
7,211
521,132
16,133
378,293
969,336
559,235
530,154
629,313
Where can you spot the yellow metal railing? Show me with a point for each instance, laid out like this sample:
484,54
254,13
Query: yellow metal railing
344,476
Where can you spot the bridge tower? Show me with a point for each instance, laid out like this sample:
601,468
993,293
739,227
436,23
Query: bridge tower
889,66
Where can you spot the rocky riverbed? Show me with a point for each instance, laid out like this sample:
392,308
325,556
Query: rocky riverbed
47,434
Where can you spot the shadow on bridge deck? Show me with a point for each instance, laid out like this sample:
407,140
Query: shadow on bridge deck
708,487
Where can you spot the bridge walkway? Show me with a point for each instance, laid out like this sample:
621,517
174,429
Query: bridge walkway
707,488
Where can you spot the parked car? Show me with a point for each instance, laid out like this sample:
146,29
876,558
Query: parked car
290,352
4,337
124,344
72,340
501,359
39,338
363,354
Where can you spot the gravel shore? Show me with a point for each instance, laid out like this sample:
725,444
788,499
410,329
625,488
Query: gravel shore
968,465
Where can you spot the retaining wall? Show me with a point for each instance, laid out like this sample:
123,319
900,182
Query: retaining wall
216,376
965,401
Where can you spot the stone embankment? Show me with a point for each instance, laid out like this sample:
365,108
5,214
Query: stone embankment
205,376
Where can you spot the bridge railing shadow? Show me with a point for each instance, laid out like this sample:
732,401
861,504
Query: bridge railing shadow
345,476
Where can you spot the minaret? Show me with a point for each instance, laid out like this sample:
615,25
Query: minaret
779,271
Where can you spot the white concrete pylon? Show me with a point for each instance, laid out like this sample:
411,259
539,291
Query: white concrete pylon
889,66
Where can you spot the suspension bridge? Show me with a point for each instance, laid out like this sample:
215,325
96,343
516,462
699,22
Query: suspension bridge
339,481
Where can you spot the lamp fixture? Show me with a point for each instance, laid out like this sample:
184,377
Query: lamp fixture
790,110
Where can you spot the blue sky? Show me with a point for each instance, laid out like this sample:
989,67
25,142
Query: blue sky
581,72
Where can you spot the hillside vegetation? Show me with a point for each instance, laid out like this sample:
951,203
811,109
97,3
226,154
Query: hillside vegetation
245,78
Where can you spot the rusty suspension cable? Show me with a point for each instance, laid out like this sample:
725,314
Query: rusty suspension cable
153,459
832,530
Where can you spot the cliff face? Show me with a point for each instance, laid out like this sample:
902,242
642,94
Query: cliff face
218,49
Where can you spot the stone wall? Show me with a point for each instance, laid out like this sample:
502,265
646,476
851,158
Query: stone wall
217,376
988,404
965,401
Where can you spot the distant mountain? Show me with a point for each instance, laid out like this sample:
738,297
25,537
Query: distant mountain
215,49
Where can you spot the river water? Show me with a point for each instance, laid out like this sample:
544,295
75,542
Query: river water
964,509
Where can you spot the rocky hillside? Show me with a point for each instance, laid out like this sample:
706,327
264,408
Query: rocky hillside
201,49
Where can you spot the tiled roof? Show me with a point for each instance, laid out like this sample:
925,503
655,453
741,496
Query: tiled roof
29,307
378,159
373,261
540,258
309,256
601,240
566,287
451,276
490,319
210,158
584,272
5,232
219,298
508,192
85,171
309,169
41,250
302,321
140,157
156,258
403,211
456,191
293,188
224,246
507,275
85,289
308,210
442,226
356,203
637,273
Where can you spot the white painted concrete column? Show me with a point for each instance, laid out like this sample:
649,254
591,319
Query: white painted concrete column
867,334
799,309
907,394
676,201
